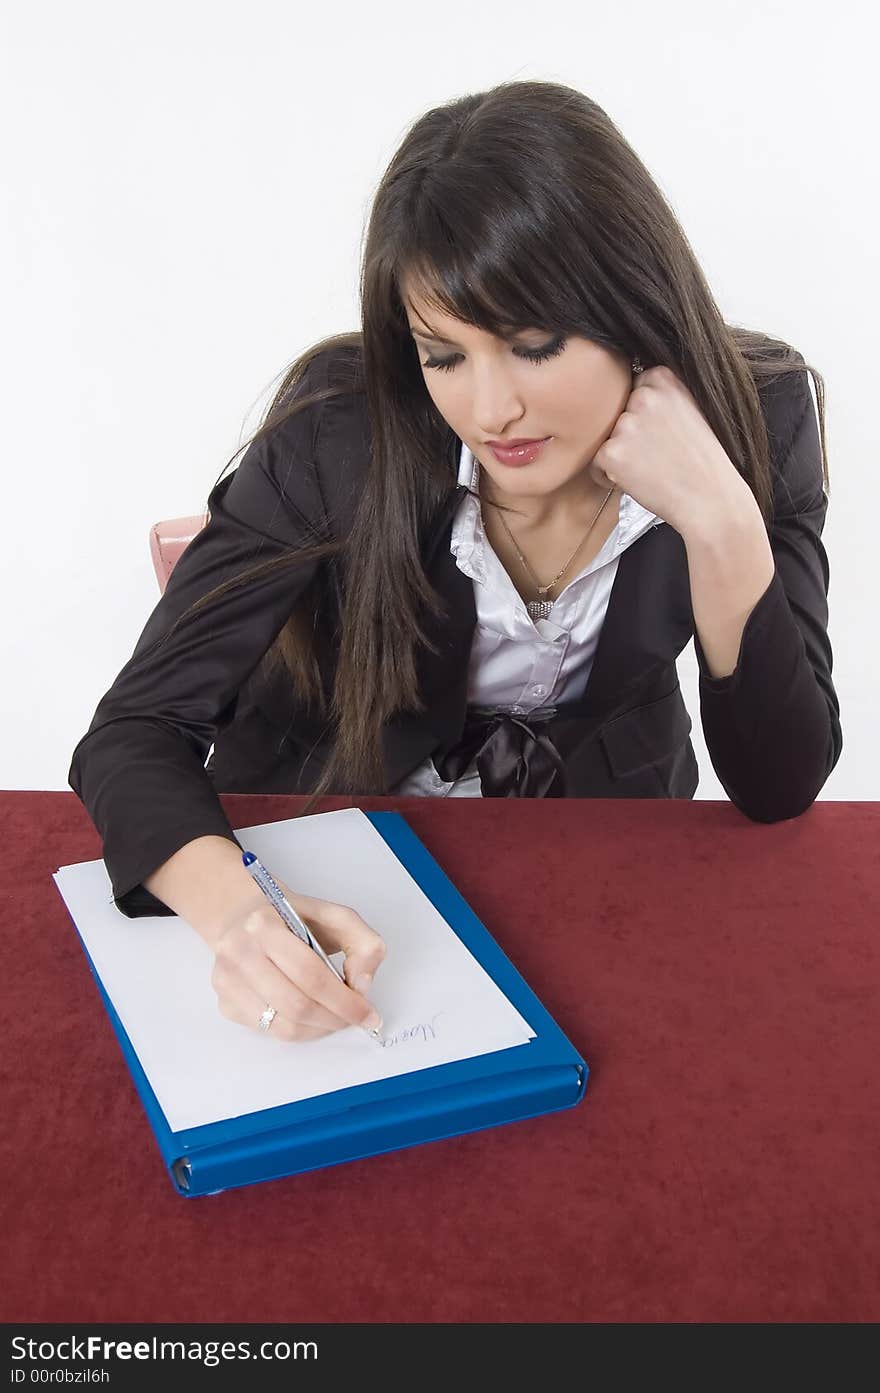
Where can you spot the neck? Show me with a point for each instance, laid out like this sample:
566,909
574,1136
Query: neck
575,502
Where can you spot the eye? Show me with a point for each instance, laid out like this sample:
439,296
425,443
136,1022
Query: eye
531,355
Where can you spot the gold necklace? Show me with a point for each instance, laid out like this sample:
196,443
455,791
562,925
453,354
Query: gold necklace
540,609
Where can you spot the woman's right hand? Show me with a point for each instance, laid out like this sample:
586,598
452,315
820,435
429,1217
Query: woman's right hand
259,962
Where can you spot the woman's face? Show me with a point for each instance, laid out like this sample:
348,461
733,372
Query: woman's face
491,390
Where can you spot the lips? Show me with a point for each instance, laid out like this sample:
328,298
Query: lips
518,454
512,444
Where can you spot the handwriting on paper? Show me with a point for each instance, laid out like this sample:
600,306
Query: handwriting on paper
407,1034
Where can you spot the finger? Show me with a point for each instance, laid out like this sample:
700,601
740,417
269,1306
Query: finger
267,981
248,963
302,965
598,475
339,928
245,1007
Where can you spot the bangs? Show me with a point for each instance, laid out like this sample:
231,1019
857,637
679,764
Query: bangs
488,300
499,268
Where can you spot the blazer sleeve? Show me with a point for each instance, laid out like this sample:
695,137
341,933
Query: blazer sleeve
772,726
139,770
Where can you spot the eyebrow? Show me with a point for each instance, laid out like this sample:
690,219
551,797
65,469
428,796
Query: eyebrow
431,338
449,343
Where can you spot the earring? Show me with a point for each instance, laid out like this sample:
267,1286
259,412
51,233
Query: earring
636,366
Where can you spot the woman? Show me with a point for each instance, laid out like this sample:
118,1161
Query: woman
395,595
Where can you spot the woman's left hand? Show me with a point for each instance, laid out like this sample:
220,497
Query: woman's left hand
664,454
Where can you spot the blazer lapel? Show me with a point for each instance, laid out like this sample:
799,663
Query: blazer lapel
648,622
409,737
444,674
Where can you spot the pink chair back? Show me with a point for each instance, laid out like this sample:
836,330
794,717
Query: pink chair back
169,540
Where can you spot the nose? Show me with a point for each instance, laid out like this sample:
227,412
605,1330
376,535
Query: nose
496,404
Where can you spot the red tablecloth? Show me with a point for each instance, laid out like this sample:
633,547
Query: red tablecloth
720,976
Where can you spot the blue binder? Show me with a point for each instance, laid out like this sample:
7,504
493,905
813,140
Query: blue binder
545,1075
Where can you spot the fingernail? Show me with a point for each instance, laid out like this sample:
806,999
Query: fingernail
373,1021
363,983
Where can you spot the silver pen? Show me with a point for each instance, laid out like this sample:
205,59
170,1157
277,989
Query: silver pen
275,895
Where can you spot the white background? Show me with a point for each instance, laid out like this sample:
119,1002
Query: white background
185,188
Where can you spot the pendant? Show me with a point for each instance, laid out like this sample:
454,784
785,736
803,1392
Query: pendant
539,609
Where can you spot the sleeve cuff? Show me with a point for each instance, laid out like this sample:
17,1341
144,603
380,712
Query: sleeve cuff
765,613
128,870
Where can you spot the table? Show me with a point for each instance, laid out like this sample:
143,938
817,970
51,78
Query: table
721,977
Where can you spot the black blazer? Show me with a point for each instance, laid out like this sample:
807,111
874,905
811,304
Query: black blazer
771,727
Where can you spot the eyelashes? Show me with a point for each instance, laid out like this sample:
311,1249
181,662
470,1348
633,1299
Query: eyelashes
531,355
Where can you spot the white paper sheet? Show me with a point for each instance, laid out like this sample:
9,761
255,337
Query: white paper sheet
436,1001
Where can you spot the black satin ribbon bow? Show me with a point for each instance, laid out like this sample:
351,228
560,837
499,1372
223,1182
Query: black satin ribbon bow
515,759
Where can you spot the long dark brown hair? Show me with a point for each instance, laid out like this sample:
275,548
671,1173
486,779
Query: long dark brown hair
519,207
